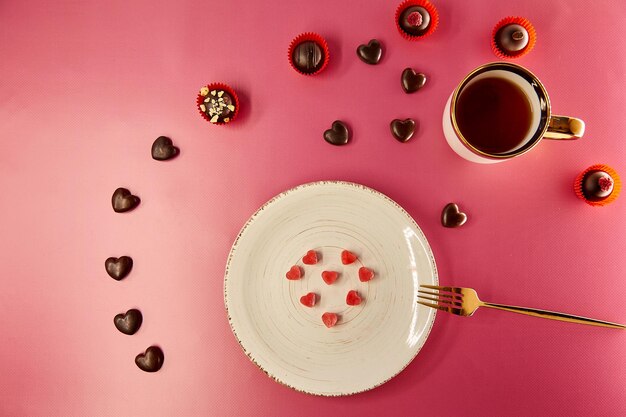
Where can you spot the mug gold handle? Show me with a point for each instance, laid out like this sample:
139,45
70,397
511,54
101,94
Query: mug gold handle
565,128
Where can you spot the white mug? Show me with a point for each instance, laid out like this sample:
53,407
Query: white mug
543,123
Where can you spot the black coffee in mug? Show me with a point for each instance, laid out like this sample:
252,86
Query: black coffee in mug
494,115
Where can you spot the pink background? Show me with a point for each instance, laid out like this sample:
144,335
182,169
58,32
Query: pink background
87,86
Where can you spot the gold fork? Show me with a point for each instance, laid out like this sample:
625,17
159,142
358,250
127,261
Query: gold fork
464,302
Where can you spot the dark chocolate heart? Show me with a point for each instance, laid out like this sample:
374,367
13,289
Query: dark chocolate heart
163,149
118,268
129,322
452,217
412,81
123,200
151,360
402,129
370,53
337,135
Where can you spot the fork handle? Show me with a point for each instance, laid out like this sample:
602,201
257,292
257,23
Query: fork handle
553,315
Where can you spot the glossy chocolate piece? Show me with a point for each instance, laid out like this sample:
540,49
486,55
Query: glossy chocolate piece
402,130
122,200
118,268
151,360
338,134
414,20
308,57
218,105
512,38
163,149
129,322
412,80
451,216
597,185
370,53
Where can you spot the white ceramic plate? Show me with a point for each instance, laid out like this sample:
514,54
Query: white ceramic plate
372,342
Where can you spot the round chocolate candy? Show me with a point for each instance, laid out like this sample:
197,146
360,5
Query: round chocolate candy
218,105
415,20
512,38
597,185
308,57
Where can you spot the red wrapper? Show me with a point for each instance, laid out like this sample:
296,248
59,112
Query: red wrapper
617,185
432,11
309,36
532,37
218,86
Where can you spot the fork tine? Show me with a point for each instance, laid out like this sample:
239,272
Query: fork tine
437,287
447,302
452,310
440,294
438,307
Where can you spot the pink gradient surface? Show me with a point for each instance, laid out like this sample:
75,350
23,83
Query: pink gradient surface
85,87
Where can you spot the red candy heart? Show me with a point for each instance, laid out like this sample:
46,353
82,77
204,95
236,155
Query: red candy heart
329,276
347,257
353,298
294,273
310,258
309,299
329,319
365,274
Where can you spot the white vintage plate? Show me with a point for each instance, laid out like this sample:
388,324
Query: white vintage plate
372,342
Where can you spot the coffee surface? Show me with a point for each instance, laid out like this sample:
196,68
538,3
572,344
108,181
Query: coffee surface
494,115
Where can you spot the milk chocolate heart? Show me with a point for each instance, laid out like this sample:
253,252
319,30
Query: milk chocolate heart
129,322
123,200
412,81
338,134
370,53
151,360
402,130
118,268
163,149
451,216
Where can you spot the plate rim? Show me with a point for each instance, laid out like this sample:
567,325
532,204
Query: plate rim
233,248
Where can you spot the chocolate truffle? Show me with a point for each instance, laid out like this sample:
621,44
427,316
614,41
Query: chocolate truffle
308,57
597,185
512,38
415,20
218,105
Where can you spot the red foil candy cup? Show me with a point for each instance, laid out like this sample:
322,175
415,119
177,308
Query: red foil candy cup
218,86
617,185
432,11
309,36
523,22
